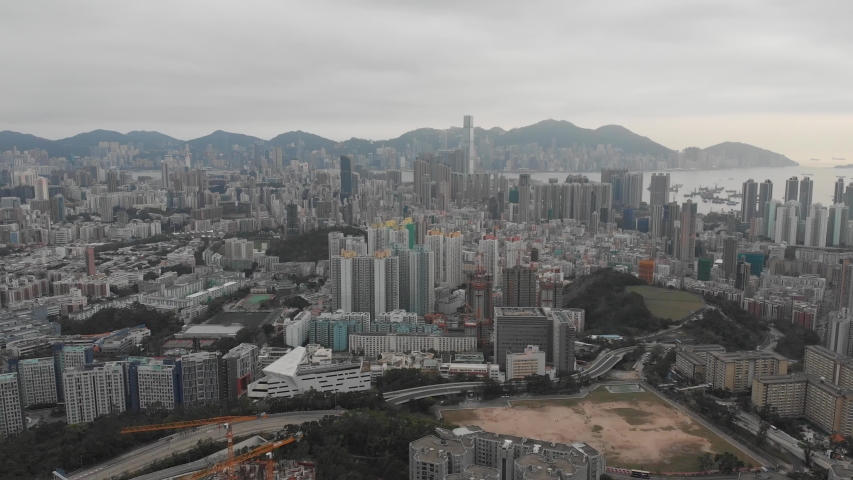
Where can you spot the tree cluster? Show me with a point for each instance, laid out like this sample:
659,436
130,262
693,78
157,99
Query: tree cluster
795,339
109,319
740,331
610,308
309,247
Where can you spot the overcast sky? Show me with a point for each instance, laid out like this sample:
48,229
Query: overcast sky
776,74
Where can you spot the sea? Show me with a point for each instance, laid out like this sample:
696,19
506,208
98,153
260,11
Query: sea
687,181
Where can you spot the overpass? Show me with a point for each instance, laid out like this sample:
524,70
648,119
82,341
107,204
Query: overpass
180,442
601,365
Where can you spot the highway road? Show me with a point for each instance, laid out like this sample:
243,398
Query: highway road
789,443
180,442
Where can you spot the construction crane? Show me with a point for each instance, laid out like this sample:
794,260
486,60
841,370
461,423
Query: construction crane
225,422
232,462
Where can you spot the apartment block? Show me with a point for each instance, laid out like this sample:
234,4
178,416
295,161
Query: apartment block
735,371
240,367
93,390
784,394
373,344
38,376
155,384
199,377
467,451
12,421
690,366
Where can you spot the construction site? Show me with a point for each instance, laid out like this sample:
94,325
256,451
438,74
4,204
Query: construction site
251,459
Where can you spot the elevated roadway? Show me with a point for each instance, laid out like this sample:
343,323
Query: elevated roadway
601,365
140,458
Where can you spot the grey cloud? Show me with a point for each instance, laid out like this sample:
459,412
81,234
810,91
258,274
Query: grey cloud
377,69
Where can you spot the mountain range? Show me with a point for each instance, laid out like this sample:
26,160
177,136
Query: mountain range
559,132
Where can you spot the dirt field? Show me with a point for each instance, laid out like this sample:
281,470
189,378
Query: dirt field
634,430
664,303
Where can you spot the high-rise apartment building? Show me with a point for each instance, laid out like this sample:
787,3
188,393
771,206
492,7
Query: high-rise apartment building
93,390
240,369
524,198
341,277
468,147
346,177
838,193
38,377
12,421
435,242
730,246
200,374
792,186
734,371
837,225
786,223
659,189
421,279
687,249
155,385
489,257
749,201
519,286
41,189
453,259
765,194
806,191
90,261
817,223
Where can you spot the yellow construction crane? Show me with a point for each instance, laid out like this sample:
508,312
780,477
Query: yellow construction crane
225,422
232,462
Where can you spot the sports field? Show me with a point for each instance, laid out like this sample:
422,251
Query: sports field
665,303
256,298
633,429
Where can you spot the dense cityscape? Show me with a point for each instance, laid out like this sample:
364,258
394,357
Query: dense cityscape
236,281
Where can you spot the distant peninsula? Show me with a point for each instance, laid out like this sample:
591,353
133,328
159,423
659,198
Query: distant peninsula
849,165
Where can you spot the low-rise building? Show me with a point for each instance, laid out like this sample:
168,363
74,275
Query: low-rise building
373,344
294,374
529,362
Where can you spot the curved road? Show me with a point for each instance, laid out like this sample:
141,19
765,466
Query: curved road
142,457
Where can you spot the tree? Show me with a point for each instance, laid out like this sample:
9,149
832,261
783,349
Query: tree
490,389
762,433
728,463
538,384
809,446
149,276
706,463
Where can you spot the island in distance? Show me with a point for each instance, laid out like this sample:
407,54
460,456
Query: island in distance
547,135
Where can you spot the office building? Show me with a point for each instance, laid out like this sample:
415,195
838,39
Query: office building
38,377
735,371
749,205
12,421
240,369
470,452
93,390
516,328
519,286
529,362
296,373
659,190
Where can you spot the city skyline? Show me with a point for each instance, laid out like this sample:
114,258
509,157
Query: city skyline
271,73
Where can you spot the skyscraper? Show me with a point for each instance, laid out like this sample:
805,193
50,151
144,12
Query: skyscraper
90,261
489,257
519,286
468,144
786,223
730,245
453,259
749,200
838,195
806,190
112,181
816,226
791,188
837,229
765,194
421,280
164,174
659,189
93,390
523,198
42,192
346,177
341,278
12,420
435,241
687,251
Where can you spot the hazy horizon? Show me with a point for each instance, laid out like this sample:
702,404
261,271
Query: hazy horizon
770,74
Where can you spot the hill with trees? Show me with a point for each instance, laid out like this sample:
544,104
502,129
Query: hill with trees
610,308
309,247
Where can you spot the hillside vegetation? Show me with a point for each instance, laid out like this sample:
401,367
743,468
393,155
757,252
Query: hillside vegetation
310,247
610,307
